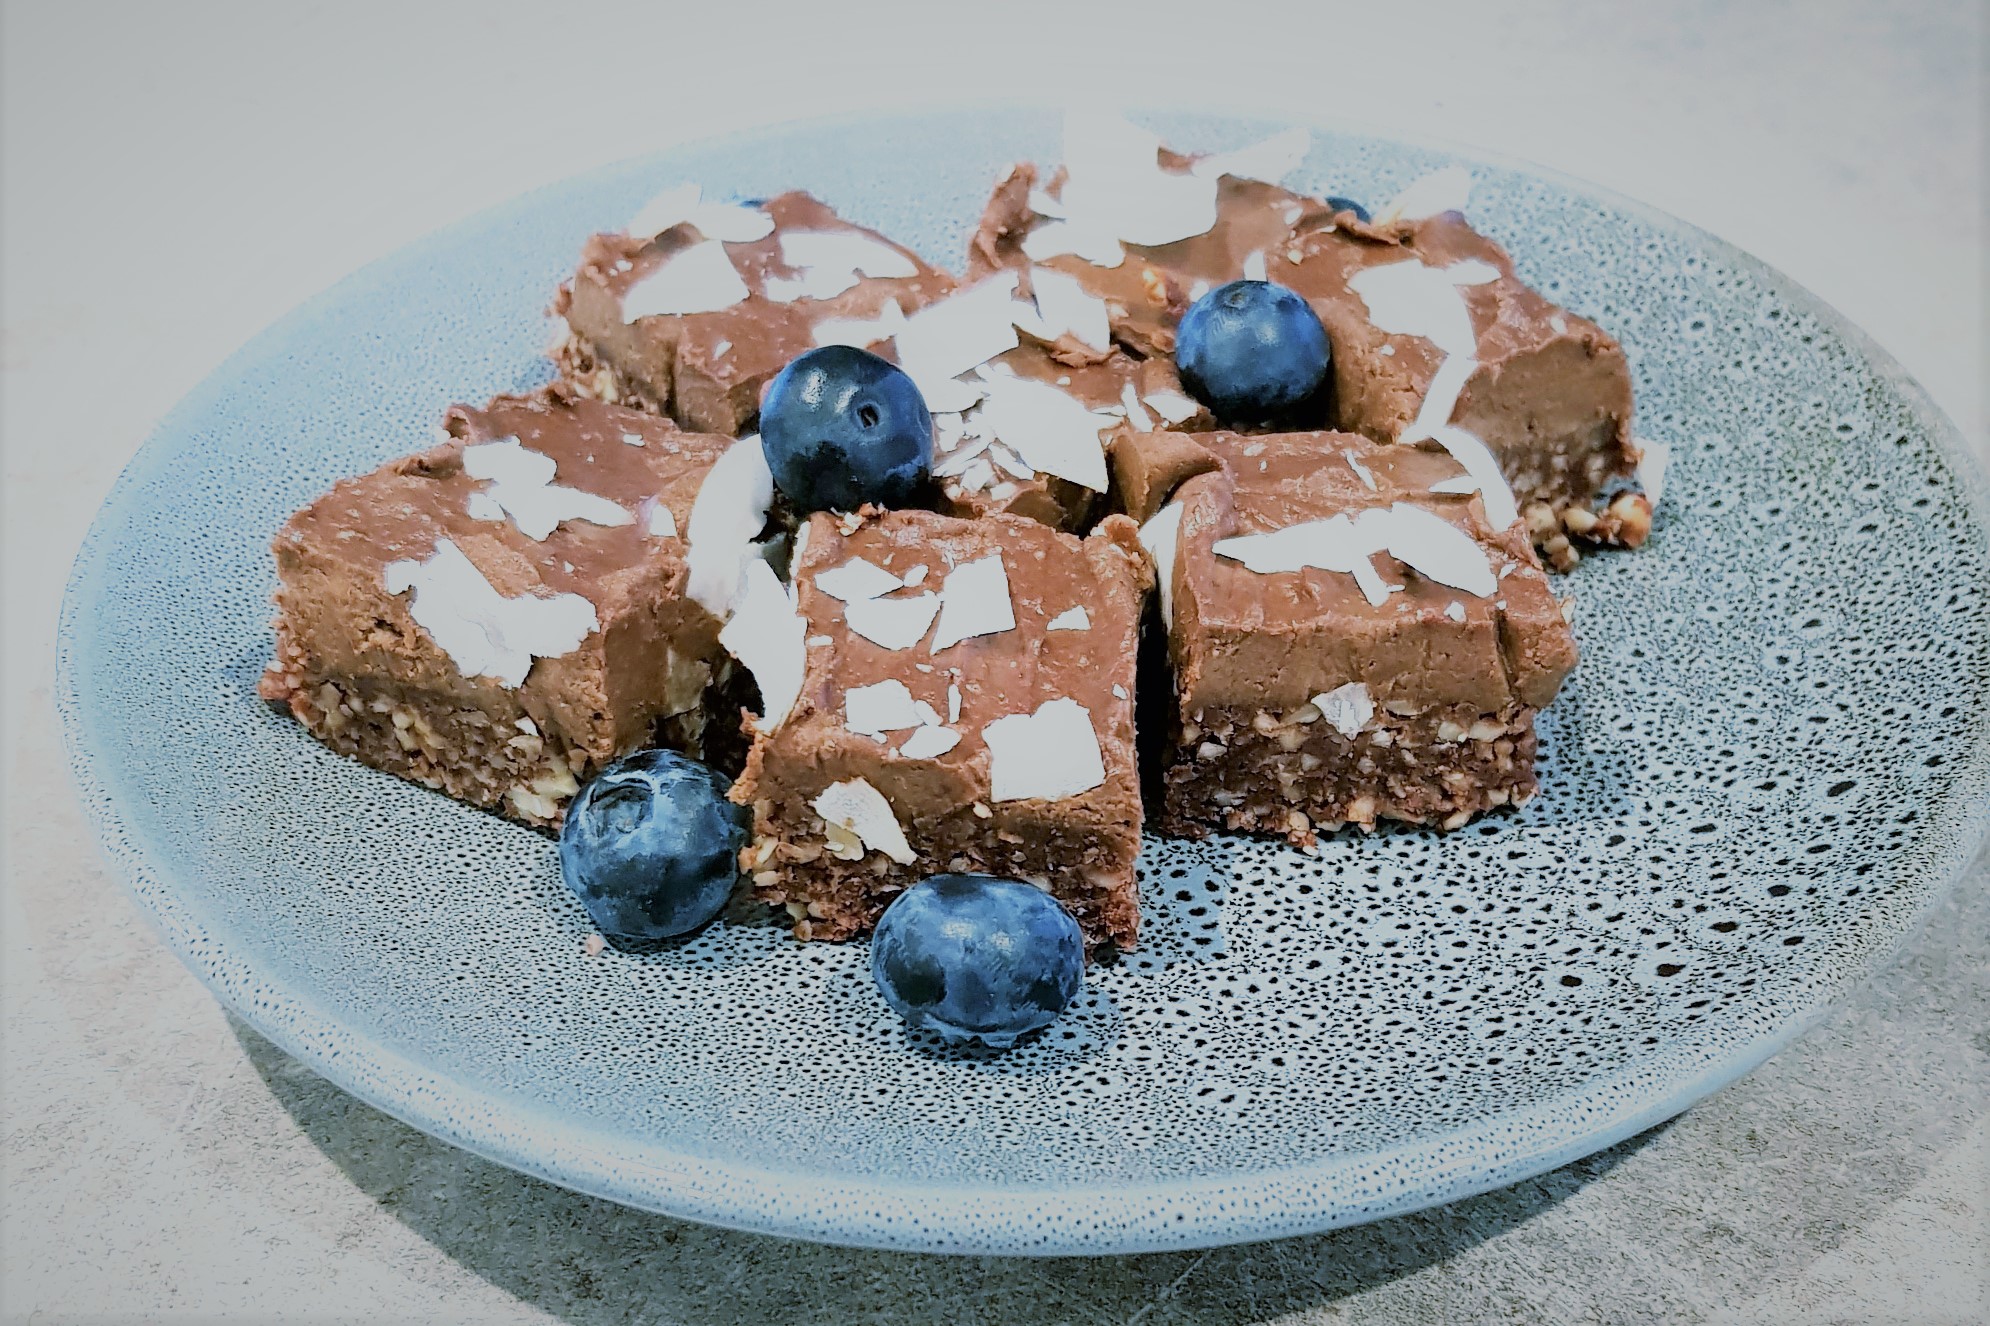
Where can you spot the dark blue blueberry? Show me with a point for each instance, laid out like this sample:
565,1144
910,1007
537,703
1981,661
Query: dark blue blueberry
974,957
1347,205
1251,351
651,846
842,427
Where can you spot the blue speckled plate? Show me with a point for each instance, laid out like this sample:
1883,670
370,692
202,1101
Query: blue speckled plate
1774,756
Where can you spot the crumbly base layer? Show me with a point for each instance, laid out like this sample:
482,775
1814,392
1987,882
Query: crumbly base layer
1296,775
1558,530
587,373
835,889
500,761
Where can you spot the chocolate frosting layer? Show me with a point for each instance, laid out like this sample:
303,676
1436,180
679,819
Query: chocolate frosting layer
1146,294
1543,373
333,556
707,369
1245,638
1013,671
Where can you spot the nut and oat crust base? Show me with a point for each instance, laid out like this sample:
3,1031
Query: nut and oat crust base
1298,776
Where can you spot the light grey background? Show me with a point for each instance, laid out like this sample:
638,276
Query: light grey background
177,177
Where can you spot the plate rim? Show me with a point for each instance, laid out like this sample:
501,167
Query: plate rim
927,1216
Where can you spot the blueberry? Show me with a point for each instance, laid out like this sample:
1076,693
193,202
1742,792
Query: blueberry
842,427
974,957
1347,205
1251,351
651,846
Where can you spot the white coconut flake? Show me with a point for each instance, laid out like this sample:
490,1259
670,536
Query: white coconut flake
1115,186
974,602
929,742
1119,690
1063,307
766,634
732,222
955,451
856,580
699,279
892,623
1159,537
1446,190
1092,243
1436,549
861,333
940,342
977,476
1043,204
1558,324
1348,708
726,516
1440,398
1006,461
1049,430
522,483
1271,160
856,806
875,710
1653,457
1071,619
1173,406
484,633
828,262
1045,756
633,439
662,524
1483,470
1253,267
1332,544
1426,543
1409,299
1136,413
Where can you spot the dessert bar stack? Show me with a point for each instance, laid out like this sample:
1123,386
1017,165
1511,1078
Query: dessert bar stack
1356,618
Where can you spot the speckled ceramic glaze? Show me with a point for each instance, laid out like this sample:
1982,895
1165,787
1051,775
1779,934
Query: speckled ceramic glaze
1774,756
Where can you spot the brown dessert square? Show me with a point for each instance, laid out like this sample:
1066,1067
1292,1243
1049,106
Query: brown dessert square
1026,389
1546,392
1350,638
1434,336
695,308
503,613
944,695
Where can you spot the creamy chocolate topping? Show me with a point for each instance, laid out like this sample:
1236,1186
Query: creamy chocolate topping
1540,371
1148,292
1008,749
335,557
706,369
402,511
1242,638
1547,392
972,683
1101,386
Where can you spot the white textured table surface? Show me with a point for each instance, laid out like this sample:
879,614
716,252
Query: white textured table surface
178,176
